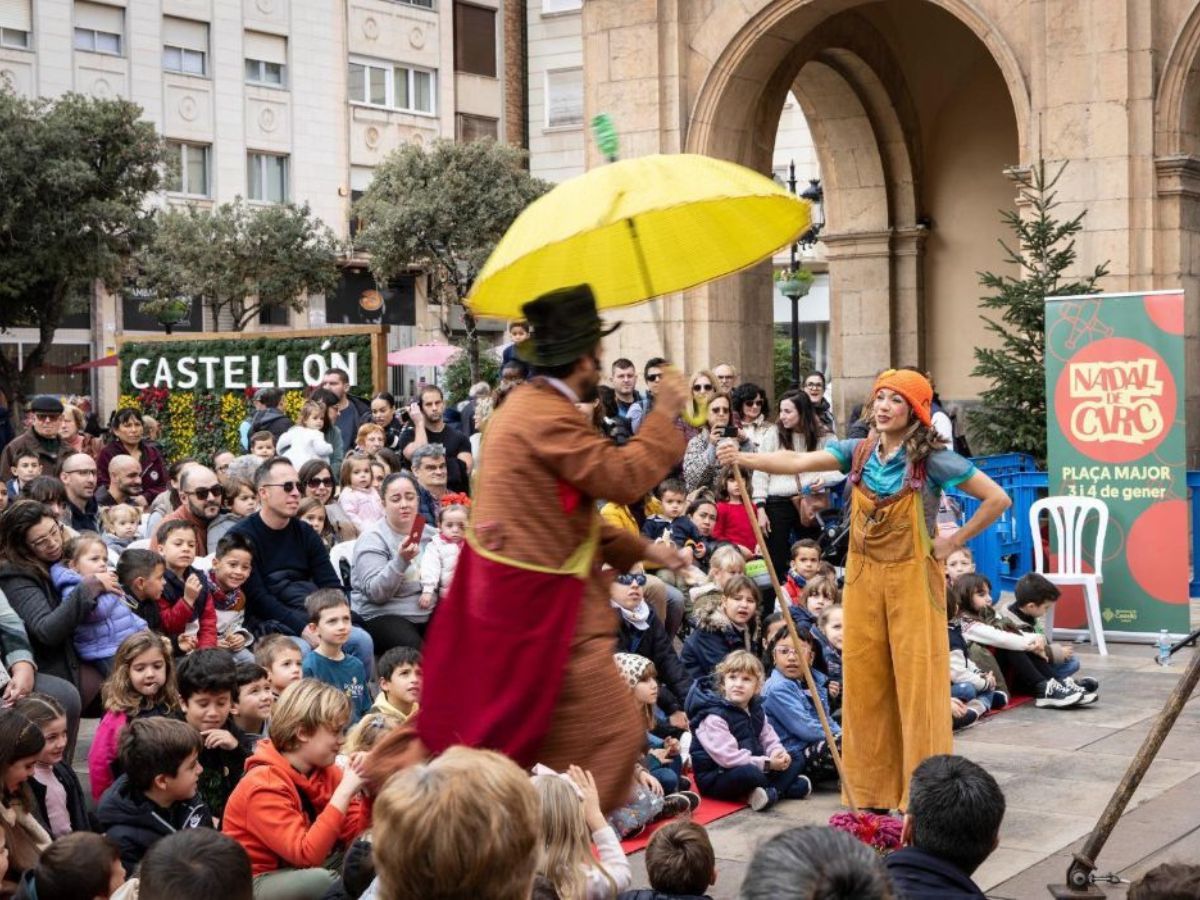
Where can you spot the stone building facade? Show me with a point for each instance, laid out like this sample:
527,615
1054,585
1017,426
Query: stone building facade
919,111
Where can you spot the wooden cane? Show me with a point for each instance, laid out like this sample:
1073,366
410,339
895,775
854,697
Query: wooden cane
784,607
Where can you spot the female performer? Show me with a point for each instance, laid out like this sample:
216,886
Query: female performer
895,656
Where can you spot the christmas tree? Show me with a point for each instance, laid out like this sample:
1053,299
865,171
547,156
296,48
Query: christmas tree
1011,415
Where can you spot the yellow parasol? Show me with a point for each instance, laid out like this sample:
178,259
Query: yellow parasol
636,229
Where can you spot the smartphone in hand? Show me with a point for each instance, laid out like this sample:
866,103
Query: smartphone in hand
418,528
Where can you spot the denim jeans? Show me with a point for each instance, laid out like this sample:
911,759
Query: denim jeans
1066,669
360,646
967,692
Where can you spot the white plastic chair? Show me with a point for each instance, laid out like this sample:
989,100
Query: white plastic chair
1069,516
338,553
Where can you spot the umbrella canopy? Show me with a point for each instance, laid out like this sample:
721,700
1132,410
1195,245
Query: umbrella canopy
639,228
423,355
100,363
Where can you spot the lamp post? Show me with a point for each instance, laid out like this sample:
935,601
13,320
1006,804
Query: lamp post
794,287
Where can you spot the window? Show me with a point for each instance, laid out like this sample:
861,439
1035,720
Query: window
424,4
474,128
192,177
266,59
564,98
267,177
561,6
185,46
394,87
99,28
474,40
16,22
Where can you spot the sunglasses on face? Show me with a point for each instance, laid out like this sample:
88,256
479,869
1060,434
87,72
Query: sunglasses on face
320,482
628,580
654,376
203,493
702,387
287,486
756,402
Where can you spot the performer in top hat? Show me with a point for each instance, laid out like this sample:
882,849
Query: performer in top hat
519,656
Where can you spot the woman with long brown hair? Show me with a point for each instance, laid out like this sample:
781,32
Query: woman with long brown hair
895,656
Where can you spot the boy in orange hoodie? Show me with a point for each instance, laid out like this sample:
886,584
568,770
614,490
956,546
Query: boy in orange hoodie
295,806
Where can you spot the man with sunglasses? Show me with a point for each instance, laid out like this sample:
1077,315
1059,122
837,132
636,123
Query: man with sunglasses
653,373
42,437
200,496
289,562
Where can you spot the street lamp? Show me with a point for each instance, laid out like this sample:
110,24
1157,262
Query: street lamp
816,198
793,286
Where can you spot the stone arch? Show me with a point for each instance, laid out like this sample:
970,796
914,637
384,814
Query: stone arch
1177,107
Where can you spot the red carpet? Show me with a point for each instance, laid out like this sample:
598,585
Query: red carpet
1013,703
709,811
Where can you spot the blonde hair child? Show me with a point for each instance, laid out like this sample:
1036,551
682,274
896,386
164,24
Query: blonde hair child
142,684
306,439
571,821
358,499
119,524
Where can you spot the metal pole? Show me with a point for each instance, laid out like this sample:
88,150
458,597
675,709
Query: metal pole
795,300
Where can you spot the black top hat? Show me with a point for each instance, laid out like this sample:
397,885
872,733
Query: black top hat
565,326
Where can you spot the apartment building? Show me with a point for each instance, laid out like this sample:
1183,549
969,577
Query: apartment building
270,100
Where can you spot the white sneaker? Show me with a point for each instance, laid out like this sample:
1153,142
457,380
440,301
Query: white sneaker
1058,696
1088,696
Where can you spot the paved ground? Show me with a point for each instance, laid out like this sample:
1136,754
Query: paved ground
1057,769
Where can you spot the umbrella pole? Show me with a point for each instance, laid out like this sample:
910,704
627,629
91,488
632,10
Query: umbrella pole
782,598
648,287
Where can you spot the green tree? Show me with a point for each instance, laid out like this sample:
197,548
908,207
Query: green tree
239,259
1012,412
781,376
74,176
457,376
443,208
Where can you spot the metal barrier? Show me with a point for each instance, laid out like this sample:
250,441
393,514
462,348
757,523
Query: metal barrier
1004,552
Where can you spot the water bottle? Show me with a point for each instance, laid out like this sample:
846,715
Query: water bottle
1164,648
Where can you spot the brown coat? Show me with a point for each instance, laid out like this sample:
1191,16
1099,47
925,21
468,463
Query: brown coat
535,501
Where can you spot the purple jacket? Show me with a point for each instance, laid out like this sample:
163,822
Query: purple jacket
100,634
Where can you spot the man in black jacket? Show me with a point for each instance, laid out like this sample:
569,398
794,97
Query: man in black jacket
268,417
955,808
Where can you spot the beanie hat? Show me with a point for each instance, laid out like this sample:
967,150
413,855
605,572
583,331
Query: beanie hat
632,667
913,387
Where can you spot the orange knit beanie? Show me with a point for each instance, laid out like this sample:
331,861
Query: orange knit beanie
913,387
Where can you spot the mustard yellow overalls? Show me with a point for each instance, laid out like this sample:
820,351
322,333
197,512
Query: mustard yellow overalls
896,652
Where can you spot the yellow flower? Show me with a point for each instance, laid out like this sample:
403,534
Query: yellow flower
292,401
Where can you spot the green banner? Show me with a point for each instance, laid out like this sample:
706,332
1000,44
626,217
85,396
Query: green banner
1115,392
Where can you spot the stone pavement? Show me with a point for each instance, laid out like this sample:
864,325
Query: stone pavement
1057,769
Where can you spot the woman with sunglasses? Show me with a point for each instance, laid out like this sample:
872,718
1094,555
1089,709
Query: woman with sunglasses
750,412
316,480
31,541
700,459
704,388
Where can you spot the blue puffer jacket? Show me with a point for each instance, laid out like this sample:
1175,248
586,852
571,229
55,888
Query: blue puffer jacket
100,634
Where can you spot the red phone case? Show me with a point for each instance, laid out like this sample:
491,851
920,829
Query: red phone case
414,536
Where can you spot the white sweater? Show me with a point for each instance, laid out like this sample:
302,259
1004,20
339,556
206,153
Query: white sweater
437,565
764,485
300,444
612,857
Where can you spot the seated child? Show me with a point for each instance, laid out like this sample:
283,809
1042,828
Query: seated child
792,711
694,532
76,865
399,683
819,593
279,655
312,511
119,526
1021,654
571,822
329,613
726,562
26,466
731,626
230,569
240,501
207,689
960,562
440,556
806,563
736,754
142,685
21,834
255,698
294,806
829,637
84,567
358,499
61,803
1034,594
262,445
663,759
641,631
672,497
680,864
970,684
186,612
733,524
156,795
197,864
